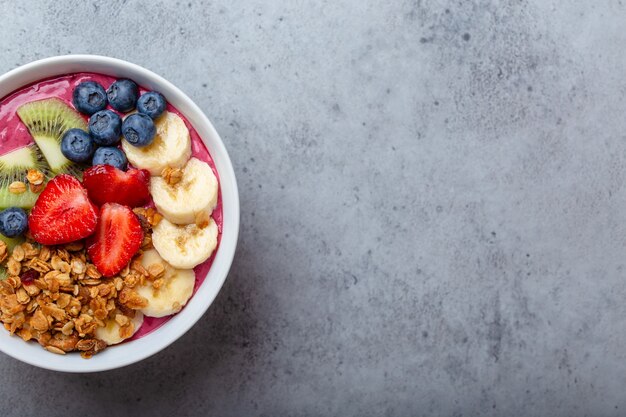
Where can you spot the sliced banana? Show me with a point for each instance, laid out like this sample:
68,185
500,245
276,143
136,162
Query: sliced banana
195,195
184,246
171,146
173,294
110,334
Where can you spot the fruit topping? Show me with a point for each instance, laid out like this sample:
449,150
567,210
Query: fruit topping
77,146
152,104
89,97
107,184
29,276
184,247
110,156
117,238
105,127
13,168
175,286
184,195
139,130
123,94
171,146
62,213
13,222
119,327
48,120
11,242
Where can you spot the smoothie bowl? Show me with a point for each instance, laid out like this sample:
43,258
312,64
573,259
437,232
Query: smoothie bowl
119,213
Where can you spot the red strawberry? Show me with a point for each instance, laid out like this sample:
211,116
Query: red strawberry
62,213
107,184
116,240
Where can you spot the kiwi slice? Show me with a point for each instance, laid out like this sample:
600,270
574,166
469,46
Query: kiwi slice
12,242
48,120
14,166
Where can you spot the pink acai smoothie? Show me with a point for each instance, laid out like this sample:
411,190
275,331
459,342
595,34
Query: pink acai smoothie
14,134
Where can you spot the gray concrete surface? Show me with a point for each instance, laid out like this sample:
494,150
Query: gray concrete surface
433,206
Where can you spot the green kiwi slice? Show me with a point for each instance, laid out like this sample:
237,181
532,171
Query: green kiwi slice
11,243
48,120
13,167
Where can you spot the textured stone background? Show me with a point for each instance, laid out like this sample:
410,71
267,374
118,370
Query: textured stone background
433,206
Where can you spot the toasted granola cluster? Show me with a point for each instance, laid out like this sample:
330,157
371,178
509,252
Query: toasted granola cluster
172,176
56,296
35,180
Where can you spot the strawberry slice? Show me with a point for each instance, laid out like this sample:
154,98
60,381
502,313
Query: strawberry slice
117,239
62,213
107,184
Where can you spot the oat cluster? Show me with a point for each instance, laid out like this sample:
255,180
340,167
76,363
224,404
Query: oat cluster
35,180
56,296
172,176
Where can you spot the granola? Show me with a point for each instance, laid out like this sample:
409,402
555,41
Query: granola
35,177
56,296
172,176
149,217
17,187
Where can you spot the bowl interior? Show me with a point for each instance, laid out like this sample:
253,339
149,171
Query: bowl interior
127,353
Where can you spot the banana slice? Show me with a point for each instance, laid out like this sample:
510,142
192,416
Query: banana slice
173,294
171,146
110,334
194,196
184,246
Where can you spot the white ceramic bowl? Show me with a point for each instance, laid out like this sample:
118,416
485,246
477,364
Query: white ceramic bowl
131,352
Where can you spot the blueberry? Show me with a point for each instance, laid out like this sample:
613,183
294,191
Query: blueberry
13,222
123,94
89,97
105,127
139,130
77,145
111,156
151,103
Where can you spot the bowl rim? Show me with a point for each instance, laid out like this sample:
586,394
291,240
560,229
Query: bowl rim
128,353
